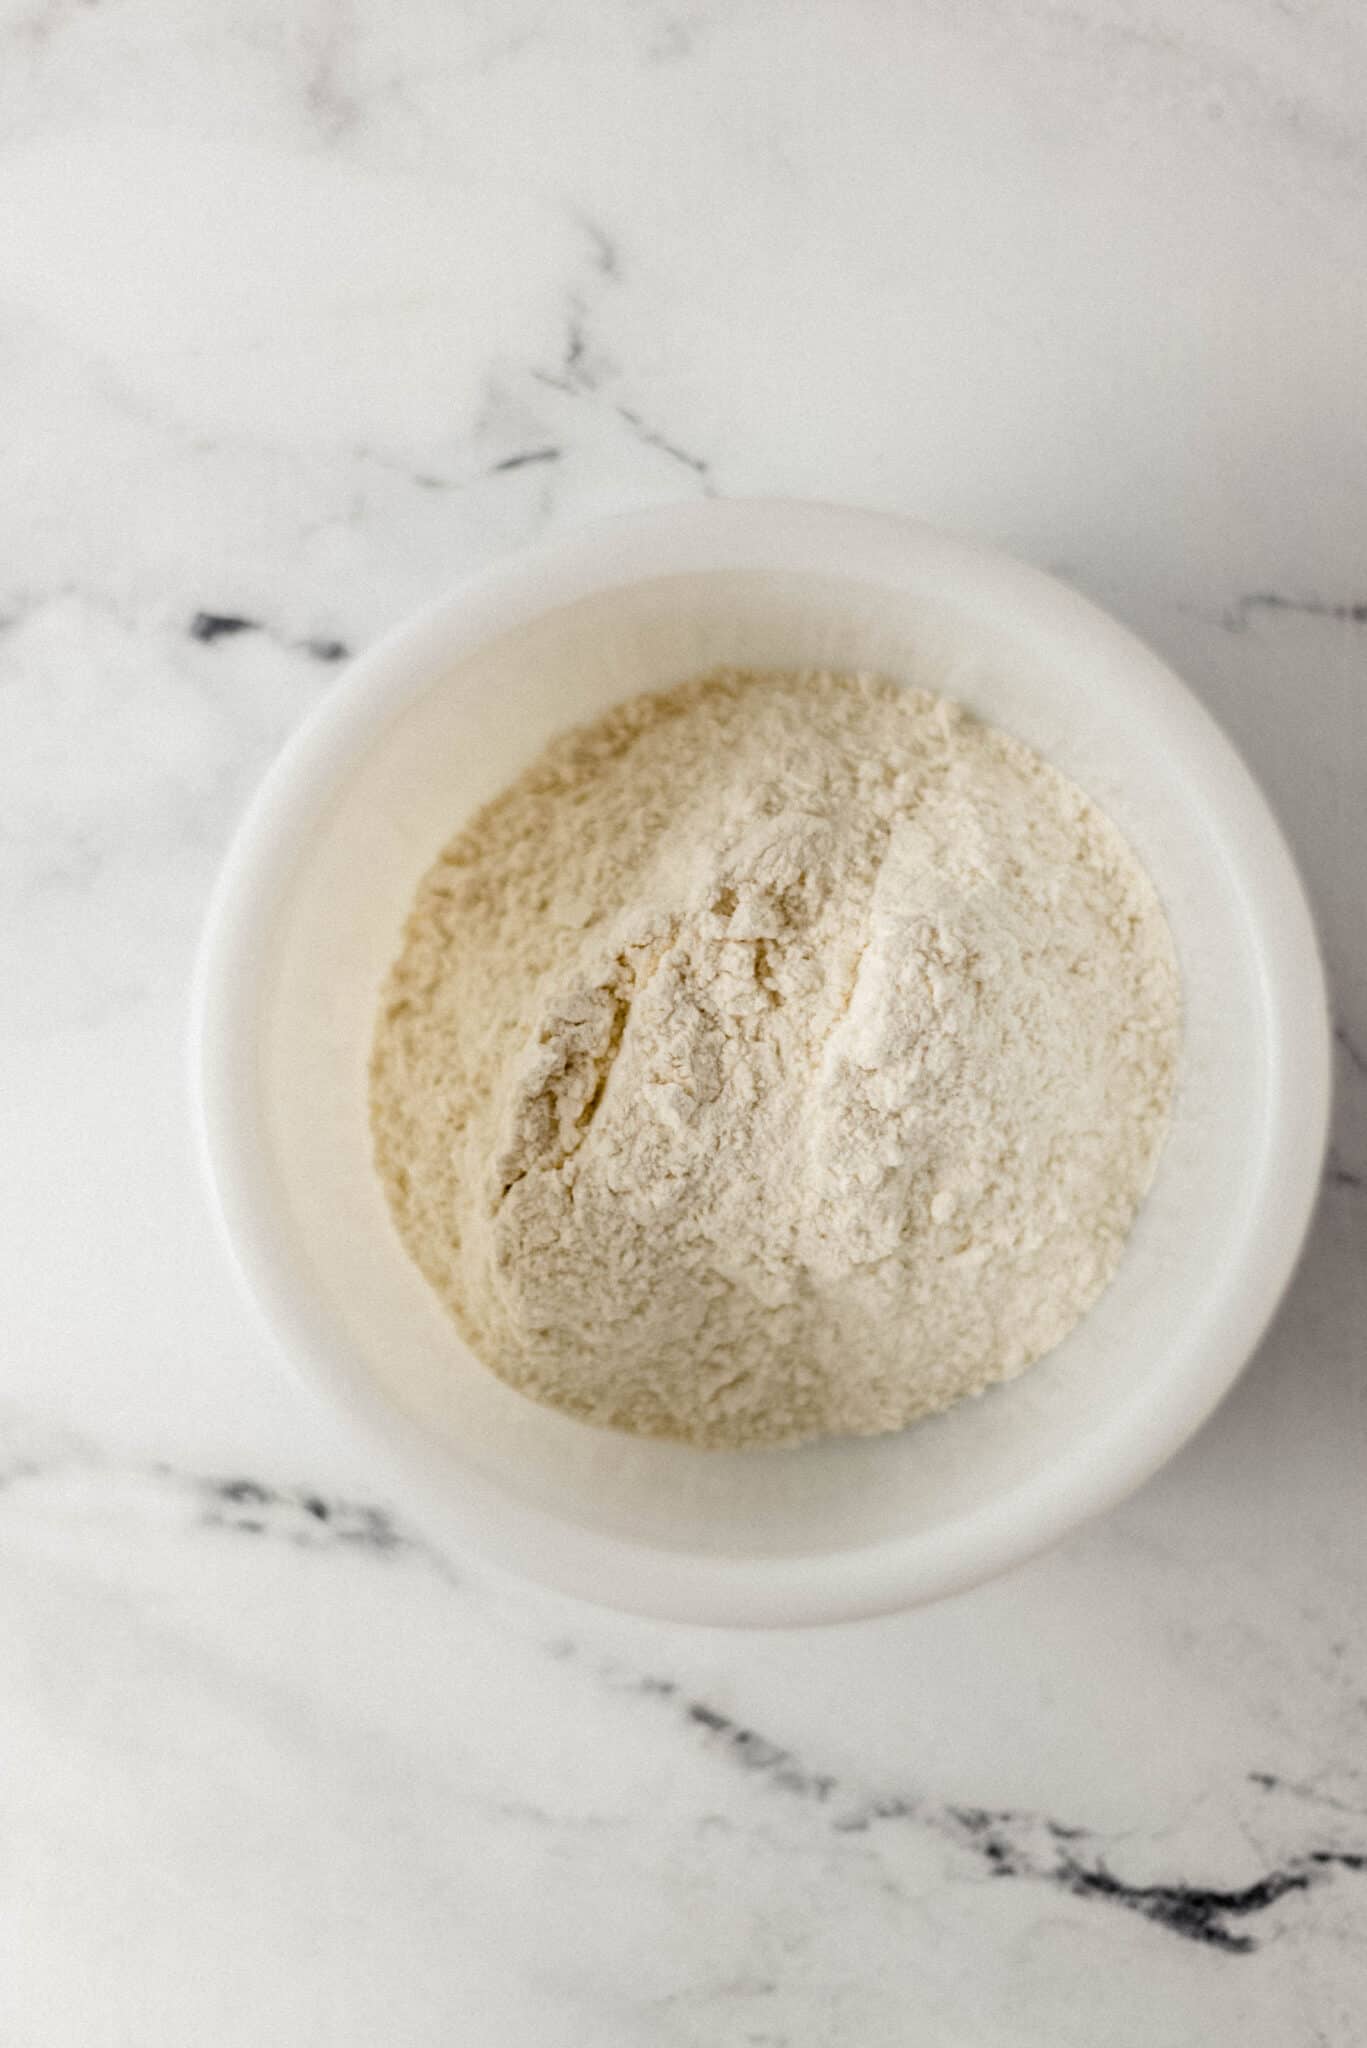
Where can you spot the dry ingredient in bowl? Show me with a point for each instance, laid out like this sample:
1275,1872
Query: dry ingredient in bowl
780,1055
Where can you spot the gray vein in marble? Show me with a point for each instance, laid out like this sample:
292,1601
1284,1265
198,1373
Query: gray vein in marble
1356,1057
306,1519
1002,1842
535,457
333,110
587,370
1245,609
209,627
1215,74
1012,1843
1005,1842
652,438
1339,1172
1306,1792
300,1516
524,460
602,248
581,370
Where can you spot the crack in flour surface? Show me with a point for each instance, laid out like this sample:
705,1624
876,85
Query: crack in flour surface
781,1055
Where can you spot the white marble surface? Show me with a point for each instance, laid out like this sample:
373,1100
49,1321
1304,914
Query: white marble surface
307,306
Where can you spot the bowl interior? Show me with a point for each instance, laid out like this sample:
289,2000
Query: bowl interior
1020,651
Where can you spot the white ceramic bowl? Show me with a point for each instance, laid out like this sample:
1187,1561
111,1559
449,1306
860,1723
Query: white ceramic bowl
437,718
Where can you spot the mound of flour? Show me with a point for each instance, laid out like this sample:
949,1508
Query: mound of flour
781,1055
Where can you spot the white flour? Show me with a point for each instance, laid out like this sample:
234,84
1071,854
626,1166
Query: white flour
780,1055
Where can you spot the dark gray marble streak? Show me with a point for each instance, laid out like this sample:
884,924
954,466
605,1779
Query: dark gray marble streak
587,370
1005,1843
524,459
1011,1843
1305,1792
210,627
1352,1051
300,1516
537,457
651,437
1242,612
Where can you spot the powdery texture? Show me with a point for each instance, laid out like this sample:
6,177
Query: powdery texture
781,1055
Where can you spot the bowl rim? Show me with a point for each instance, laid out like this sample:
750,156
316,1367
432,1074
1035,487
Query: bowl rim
732,535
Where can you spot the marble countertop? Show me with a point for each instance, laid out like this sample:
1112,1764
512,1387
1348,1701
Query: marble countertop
306,308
